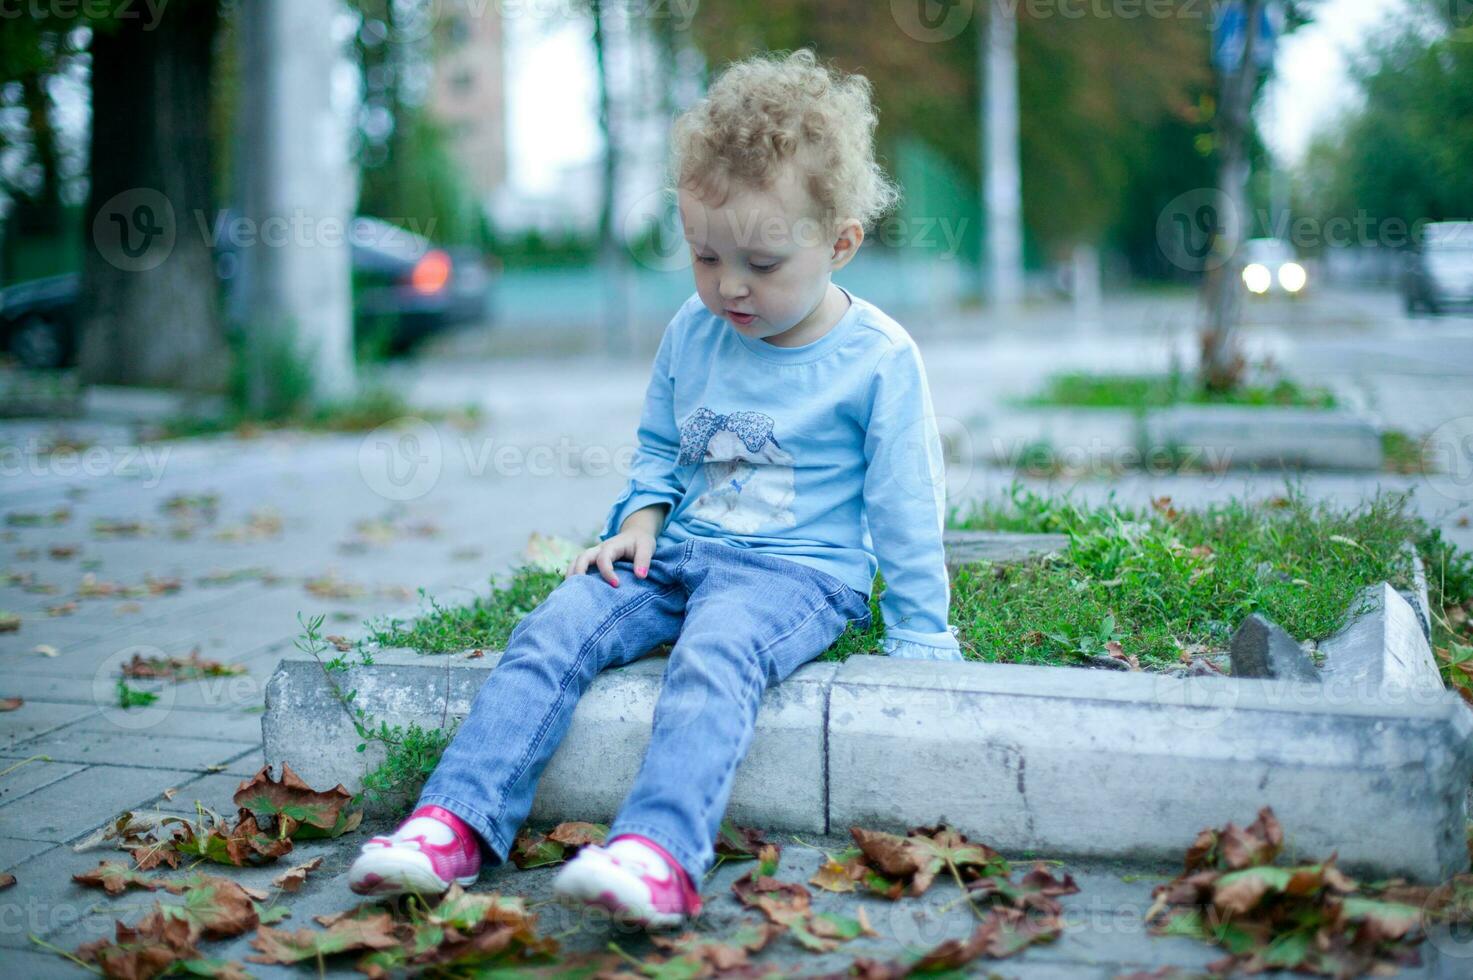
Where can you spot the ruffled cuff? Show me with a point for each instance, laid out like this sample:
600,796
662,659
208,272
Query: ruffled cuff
910,645
631,501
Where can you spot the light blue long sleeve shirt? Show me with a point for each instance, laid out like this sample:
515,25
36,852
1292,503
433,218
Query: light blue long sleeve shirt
825,454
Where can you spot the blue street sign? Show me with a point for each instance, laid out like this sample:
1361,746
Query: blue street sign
1229,36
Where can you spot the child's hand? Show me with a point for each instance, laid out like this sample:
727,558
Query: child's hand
635,545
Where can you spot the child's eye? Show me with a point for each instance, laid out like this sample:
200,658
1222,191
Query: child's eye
708,259
765,268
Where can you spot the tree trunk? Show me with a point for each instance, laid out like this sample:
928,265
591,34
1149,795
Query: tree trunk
37,215
296,173
148,311
1222,360
611,258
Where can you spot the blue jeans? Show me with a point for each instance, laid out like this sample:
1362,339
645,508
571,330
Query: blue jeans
750,620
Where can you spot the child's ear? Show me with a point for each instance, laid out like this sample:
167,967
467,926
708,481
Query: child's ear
850,237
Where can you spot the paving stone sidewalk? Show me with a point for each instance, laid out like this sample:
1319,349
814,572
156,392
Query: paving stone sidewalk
288,512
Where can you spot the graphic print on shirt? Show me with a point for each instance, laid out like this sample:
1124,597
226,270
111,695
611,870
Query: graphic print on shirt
749,473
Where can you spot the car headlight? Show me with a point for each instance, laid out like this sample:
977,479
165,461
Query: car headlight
1292,277
1257,278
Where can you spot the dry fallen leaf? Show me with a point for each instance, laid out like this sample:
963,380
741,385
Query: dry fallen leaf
114,878
293,878
294,803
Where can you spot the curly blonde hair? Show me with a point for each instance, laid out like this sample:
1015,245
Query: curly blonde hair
772,111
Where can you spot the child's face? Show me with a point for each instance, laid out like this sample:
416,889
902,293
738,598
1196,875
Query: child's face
763,253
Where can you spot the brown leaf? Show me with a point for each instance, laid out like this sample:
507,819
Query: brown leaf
1258,843
783,902
293,878
114,878
291,799
724,954
215,907
739,842
887,853
143,951
277,946
578,834
10,704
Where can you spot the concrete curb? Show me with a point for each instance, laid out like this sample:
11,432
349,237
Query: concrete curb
1254,436
1043,759
1384,648
1132,765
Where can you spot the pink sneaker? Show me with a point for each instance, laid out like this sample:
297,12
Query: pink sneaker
430,851
635,879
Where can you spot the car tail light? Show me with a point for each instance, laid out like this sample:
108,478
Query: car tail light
431,273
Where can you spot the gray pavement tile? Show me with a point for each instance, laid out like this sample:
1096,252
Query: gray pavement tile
249,764
44,898
81,802
215,790
222,725
38,964
133,747
25,776
13,850
36,718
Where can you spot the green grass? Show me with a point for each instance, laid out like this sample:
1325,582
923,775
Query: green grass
362,413
1158,580
1155,580
1079,389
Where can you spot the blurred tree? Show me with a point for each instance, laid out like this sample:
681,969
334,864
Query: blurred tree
149,294
1089,87
148,306
407,173
1239,83
1404,152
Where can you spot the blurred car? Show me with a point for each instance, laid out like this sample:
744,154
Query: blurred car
1439,274
404,290
1271,266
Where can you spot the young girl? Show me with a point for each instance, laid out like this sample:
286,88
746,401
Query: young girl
787,449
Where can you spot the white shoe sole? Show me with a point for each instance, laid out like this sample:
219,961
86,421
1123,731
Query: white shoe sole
396,871
592,878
